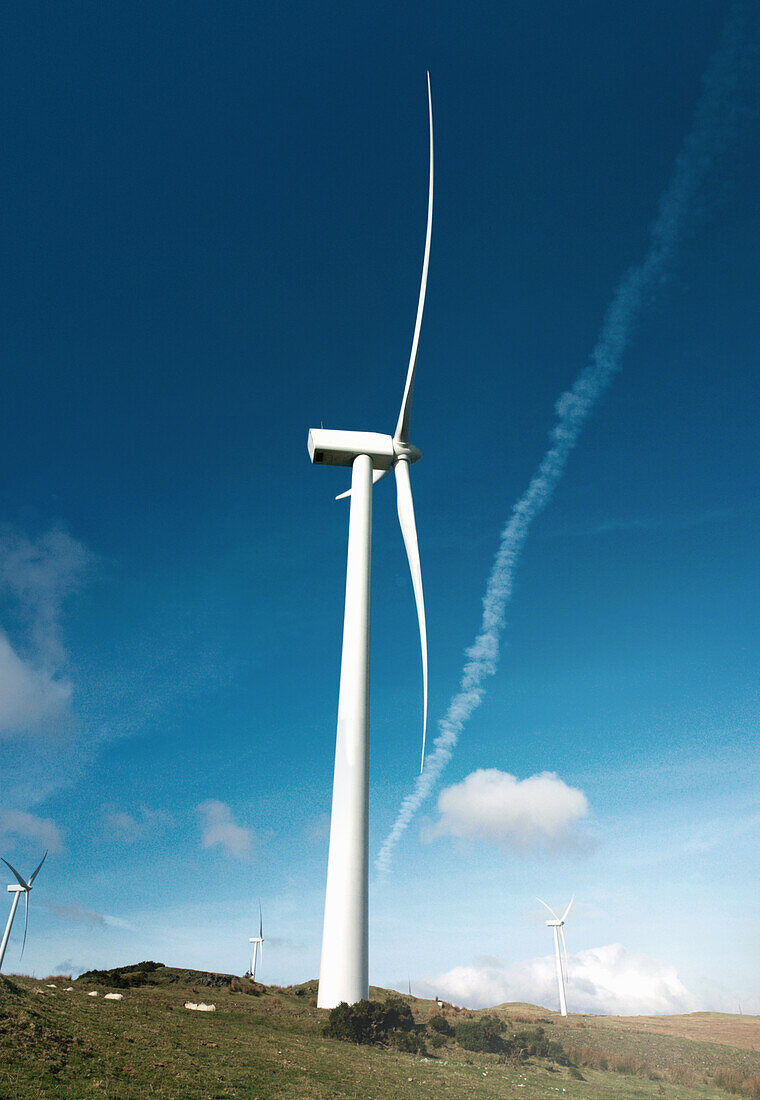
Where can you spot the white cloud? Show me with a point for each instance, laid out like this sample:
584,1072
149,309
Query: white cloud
21,824
601,980
217,827
129,827
32,700
35,578
39,575
538,813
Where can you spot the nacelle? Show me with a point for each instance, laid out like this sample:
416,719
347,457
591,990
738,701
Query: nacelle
330,447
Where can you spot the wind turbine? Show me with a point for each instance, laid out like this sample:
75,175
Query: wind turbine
17,890
344,972
258,948
557,925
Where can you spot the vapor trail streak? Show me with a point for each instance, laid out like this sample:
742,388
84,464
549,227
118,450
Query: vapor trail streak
712,122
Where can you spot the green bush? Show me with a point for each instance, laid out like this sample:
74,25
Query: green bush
483,1034
370,1021
534,1043
441,1025
123,977
410,1041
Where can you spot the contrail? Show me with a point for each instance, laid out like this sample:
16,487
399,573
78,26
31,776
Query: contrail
715,112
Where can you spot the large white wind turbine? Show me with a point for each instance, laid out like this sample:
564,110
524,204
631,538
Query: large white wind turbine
344,972
258,948
17,889
559,932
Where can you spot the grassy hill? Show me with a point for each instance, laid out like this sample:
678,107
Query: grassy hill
260,1042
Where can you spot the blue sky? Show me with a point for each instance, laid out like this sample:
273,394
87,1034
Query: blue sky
212,239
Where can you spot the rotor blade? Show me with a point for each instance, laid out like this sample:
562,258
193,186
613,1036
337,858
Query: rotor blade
37,869
405,507
564,948
572,899
21,882
549,908
377,475
26,922
261,924
402,428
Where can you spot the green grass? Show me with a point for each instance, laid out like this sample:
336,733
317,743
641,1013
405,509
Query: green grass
266,1042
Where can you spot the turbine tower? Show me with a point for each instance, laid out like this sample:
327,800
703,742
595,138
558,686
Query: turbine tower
557,925
17,889
258,949
344,968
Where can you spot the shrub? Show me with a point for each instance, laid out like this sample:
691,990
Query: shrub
410,1041
534,1043
123,977
441,1025
369,1021
483,1034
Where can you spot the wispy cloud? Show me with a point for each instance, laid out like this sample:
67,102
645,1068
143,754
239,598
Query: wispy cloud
538,814
128,827
36,576
39,574
18,823
75,914
713,121
601,980
218,828
33,701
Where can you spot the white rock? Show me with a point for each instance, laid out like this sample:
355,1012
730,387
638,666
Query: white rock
52,986
93,993
69,989
200,1007
113,997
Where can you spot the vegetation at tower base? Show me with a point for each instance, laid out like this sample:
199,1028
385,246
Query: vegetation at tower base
269,1042
387,1022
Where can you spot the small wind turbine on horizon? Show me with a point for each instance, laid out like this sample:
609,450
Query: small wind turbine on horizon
17,889
258,945
344,969
558,926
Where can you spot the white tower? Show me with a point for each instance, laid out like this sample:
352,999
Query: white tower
557,925
344,970
258,948
17,889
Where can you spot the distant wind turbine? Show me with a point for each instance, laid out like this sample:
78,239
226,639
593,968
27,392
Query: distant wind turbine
557,925
258,945
344,974
17,889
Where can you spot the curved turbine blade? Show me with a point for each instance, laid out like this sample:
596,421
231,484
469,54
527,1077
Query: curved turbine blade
21,882
405,507
564,948
26,922
37,869
572,899
404,416
549,908
377,475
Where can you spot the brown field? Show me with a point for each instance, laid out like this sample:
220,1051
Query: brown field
710,1027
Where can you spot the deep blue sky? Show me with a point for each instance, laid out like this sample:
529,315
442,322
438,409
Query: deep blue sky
213,222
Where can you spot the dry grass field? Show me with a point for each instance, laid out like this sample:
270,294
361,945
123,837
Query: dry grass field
56,1040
